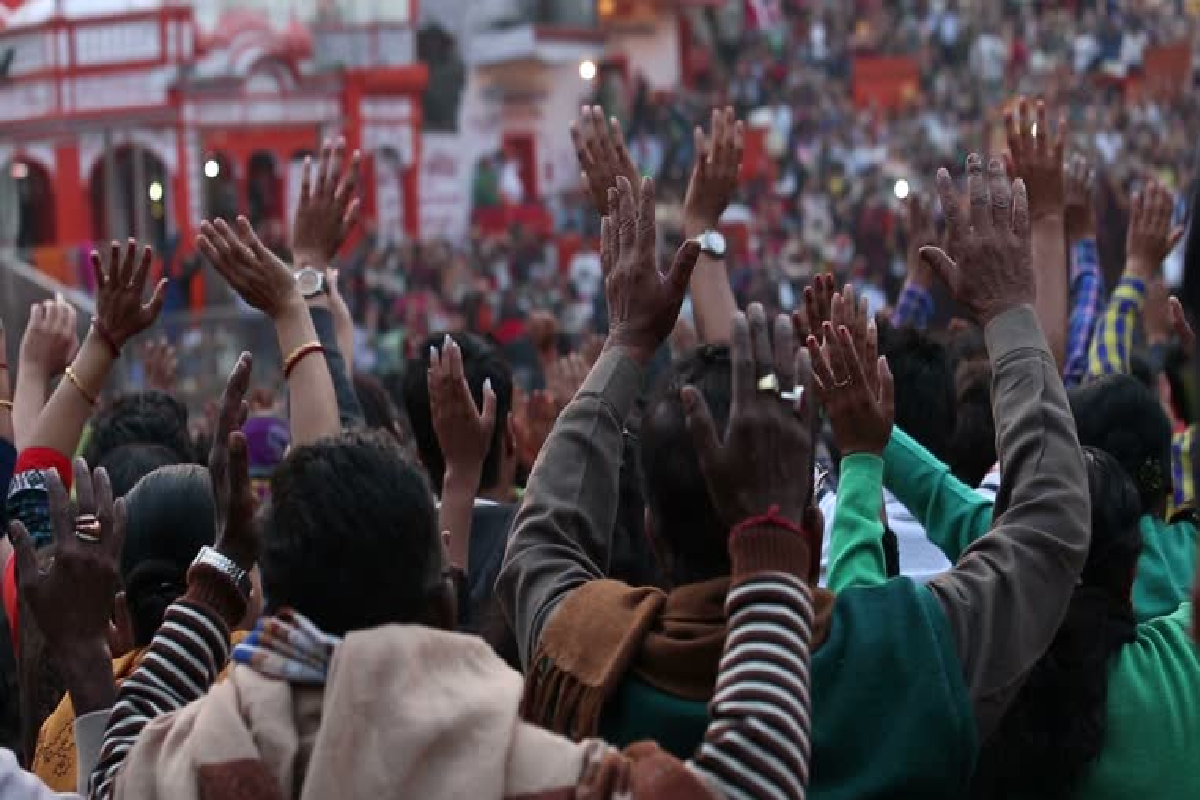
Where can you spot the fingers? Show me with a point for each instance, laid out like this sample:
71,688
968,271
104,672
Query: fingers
887,389
783,341
822,371
306,182
239,465
742,356
487,418
155,305
683,266
700,425
608,244
955,226
453,358
1020,216
98,269
1001,194
323,169
804,383
977,189
112,539
1042,139
944,267
85,494
60,508
626,218
232,398
23,552
700,144
1026,129
646,229
855,371
138,278
760,341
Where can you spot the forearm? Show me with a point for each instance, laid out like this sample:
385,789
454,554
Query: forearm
195,628
454,514
325,323
1027,566
312,405
86,668
761,710
856,555
1052,282
60,424
713,303
953,514
562,531
29,398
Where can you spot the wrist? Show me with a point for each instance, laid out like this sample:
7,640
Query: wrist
292,307
1140,268
461,480
86,667
1047,217
695,224
637,352
309,257
33,371
764,545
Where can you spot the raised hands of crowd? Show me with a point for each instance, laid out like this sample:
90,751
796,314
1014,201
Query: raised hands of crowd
464,433
1079,198
1151,236
534,415
922,232
564,377
643,303
229,469
856,389
716,172
72,599
1036,155
762,463
329,205
49,344
987,262
603,155
160,362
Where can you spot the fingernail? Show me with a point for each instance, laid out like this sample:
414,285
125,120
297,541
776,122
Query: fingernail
447,342
433,353
487,384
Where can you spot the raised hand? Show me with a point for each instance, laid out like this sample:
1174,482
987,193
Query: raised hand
160,362
464,432
922,232
564,378
1179,324
120,312
255,273
51,338
1151,238
1079,193
715,174
329,208
643,304
853,313
858,393
602,154
533,419
818,306
989,266
1037,159
764,458
229,470
72,599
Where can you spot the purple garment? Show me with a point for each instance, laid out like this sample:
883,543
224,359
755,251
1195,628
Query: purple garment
267,441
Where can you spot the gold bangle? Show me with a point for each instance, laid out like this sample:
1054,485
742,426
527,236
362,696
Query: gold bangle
73,378
6,404
298,355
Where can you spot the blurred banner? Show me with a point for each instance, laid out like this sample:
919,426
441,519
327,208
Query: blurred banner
885,82
445,185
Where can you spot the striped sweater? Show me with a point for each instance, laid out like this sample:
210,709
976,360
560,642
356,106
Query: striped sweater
757,744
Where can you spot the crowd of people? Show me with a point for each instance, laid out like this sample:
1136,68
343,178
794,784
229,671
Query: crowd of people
834,552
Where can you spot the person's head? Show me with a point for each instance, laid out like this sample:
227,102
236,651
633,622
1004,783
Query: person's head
481,362
973,446
1057,724
149,417
924,379
129,463
170,516
1121,416
350,538
379,411
689,536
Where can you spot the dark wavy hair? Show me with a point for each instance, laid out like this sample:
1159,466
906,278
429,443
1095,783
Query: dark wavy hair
1056,726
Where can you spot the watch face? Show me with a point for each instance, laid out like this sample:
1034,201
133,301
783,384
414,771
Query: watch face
714,242
310,282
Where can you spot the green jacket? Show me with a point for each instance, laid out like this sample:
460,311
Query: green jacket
954,516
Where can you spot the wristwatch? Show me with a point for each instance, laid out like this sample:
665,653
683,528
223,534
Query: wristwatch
712,243
311,282
214,560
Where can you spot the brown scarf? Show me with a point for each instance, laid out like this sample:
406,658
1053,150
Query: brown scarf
605,629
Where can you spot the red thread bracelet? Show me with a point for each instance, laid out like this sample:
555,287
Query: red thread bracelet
106,337
772,517
299,355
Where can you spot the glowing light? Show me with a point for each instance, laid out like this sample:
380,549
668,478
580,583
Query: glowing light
19,171
901,189
587,70
1033,130
212,168
156,192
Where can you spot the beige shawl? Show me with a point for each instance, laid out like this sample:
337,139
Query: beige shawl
407,712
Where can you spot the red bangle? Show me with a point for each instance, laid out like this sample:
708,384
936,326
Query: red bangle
106,337
773,518
300,353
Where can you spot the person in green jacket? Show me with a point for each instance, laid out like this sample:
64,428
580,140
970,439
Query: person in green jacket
907,678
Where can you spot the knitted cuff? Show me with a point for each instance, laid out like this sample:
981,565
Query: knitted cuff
209,588
768,547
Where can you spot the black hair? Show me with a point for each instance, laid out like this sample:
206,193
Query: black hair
1121,416
150,417
1056,726
973,445
129,463
924,379
481,361
675,492
170,516
350,536
380,412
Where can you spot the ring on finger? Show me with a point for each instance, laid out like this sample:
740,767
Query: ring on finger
842,384
87,528
768,383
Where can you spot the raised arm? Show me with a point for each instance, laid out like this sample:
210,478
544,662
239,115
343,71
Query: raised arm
915,306
562,531
48,345
1007,595
267,284
1037,157
1087,280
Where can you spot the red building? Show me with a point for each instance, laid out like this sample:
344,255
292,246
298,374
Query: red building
145,121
